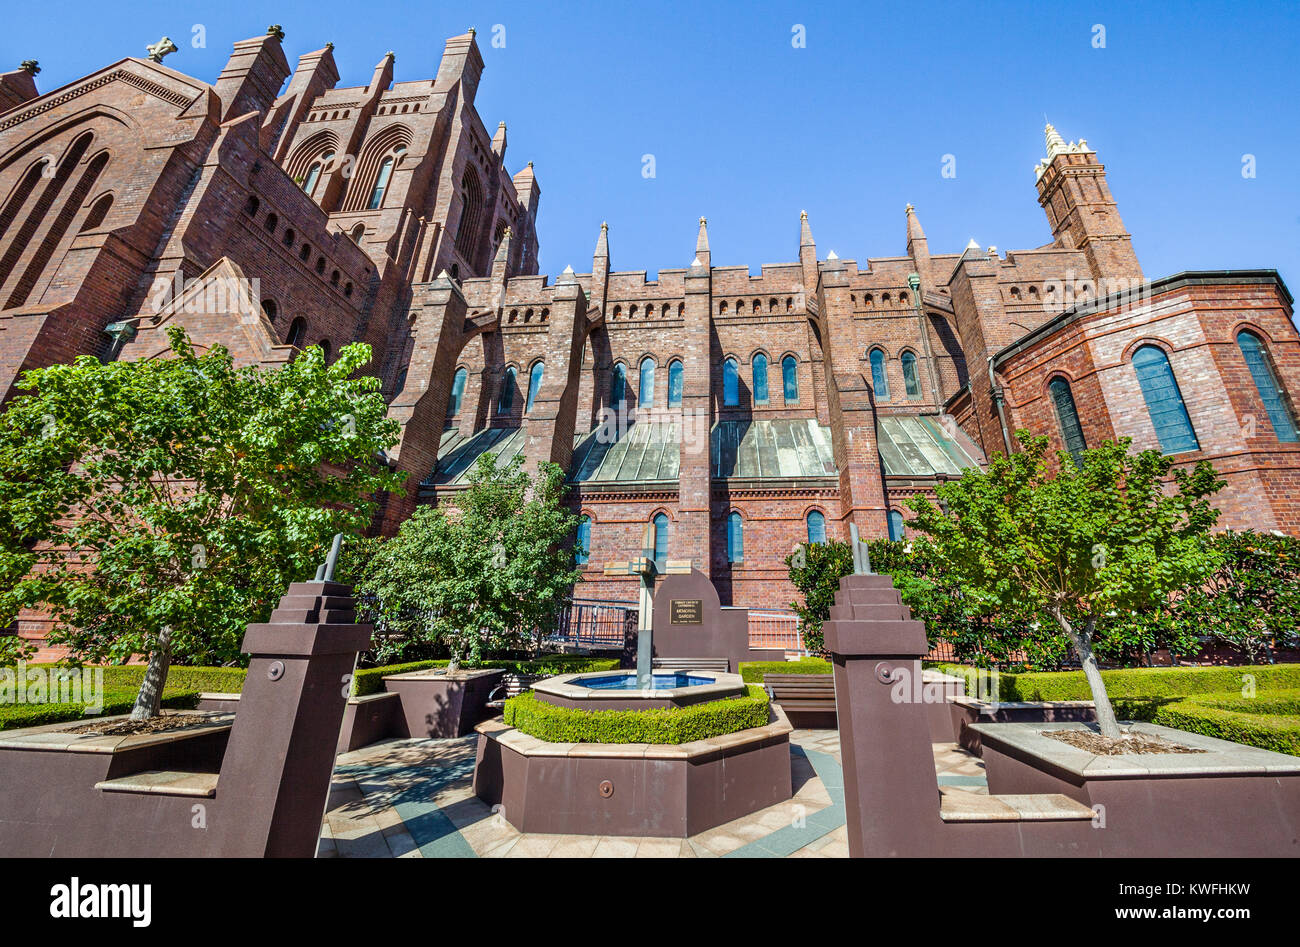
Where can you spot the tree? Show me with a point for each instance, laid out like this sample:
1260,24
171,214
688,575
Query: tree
1120,531
1251,599
155,507
816,570
483,571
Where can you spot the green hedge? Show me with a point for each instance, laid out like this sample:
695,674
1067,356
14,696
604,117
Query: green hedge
752,671
371,680
1271,723
1137,683
660,725
216,680
16,716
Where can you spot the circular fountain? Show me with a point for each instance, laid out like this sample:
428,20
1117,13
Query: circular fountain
622,690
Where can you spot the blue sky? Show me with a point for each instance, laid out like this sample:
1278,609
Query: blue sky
748,130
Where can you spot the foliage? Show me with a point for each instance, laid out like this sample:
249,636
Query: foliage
157,507
17,716
816,570
483,572
14,649
1076,542
1138,683
751,672
658,725
1251,599
1268,724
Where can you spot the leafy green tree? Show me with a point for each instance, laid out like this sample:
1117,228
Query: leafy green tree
816,570
485,570
1120,531
156,507
1251,600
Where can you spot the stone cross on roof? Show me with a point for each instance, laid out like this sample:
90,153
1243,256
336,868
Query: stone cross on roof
158,50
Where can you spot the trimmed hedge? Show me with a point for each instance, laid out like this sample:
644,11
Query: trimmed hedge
751,672
371,680
1136,683
218,680
16,716
659,725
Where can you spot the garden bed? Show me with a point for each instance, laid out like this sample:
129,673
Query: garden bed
658,726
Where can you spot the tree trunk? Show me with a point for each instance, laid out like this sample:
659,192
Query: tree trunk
148,703
1082,642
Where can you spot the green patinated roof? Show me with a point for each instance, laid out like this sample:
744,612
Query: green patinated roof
457,453
918,447
648,452
760,450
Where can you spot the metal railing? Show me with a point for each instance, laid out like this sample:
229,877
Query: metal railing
774,628
590,623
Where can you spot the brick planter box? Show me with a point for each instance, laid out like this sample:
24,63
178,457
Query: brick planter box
438,704
634,789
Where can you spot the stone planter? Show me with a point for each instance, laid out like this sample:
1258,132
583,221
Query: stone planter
1231,800
965,712
438,704
635,789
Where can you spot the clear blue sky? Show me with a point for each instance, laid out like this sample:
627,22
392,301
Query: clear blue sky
748,130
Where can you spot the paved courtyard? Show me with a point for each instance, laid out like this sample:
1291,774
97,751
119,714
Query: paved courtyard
412,799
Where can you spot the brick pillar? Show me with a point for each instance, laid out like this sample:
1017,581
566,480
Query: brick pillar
977,306
549,426
853,416
421,406
691,533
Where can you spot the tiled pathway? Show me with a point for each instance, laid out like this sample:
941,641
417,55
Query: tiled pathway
412,799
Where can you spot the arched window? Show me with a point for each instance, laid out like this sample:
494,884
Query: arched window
790,379
661,540
618,386
325,349
735,538
675,383
358,232
896,530
457,392
879,380
1270,392
269,309
816,527
314,173
730,382
582,550
1164,400
506,400
760,378
534,383
646,391
1068,417
910,380
381,183
297,329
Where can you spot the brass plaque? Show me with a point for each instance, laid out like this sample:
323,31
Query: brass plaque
687,611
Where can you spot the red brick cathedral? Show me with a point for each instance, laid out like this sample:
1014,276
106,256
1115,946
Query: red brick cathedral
739,414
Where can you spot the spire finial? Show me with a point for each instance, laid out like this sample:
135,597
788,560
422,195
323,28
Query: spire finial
30,66
275,30
803,215
158,50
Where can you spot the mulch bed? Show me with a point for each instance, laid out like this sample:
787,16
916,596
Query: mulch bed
121,728
1131,743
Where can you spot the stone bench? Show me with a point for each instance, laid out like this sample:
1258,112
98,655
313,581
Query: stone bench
809,697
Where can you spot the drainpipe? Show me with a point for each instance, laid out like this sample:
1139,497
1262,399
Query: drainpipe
996,393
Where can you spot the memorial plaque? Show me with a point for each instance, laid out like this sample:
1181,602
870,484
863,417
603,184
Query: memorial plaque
687,611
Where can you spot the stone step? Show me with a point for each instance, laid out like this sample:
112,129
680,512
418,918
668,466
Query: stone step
892,612
159,782
887,596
